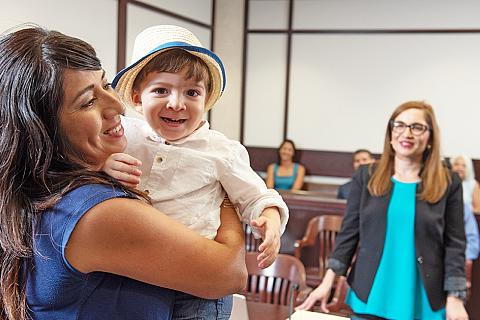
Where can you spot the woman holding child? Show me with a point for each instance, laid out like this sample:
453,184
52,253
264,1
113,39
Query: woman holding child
75,244
404,222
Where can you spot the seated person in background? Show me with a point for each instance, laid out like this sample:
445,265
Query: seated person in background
471,234
463,166
360,157
286,174
473,242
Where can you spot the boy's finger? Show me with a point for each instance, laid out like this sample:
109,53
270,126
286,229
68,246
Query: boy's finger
128,178
130,185
126,168
264,255
265,263
265,242
126,158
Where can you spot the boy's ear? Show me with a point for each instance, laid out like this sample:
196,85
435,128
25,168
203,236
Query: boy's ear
137,100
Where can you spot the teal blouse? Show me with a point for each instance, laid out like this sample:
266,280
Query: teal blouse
284,182
397,291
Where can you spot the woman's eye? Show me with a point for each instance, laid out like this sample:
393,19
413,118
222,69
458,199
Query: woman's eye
89,103
107,86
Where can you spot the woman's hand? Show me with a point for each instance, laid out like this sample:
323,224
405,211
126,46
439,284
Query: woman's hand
321,293
455,309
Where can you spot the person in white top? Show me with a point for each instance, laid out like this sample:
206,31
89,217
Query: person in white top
183,165
463,166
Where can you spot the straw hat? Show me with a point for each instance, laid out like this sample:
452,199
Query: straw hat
157,39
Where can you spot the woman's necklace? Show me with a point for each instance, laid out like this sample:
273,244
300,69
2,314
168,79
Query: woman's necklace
407,176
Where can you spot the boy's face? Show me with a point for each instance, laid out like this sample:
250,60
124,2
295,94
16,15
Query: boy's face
172,105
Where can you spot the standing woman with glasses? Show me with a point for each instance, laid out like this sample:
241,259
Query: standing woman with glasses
404,222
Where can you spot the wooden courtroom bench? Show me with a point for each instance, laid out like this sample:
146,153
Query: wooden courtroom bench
321,189
303,206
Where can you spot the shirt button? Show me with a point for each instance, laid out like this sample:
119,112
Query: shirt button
420,259
159,159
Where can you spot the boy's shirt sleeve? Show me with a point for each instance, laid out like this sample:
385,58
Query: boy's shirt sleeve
247,191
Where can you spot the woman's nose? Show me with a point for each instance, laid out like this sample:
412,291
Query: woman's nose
408,132
114,107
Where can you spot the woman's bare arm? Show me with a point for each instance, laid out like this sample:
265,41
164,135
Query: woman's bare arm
297,185
270,178
130,238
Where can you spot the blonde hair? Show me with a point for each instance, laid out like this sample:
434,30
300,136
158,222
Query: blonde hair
435,176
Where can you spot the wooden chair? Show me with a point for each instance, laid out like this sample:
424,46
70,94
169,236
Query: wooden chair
282,283
468,275
251,244
321,231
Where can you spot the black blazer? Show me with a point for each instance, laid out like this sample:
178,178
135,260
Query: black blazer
439,240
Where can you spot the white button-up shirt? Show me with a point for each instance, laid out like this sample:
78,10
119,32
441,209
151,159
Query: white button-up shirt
187,178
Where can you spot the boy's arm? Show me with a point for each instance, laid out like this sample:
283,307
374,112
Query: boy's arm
247,190
124,168
268,224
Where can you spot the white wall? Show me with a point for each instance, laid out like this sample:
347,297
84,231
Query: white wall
357,81
139,18
94,21
225,116
343,87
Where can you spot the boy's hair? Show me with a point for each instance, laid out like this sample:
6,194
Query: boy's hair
174,61
159,40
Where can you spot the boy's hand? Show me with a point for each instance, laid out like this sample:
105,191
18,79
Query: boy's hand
124,168
268,224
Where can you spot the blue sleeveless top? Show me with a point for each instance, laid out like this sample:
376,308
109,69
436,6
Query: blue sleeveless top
397,291
284,182
57,291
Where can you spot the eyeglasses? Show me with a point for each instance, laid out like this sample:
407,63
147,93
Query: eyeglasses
416,129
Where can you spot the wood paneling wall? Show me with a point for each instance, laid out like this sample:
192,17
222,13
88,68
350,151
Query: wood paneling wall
316,162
